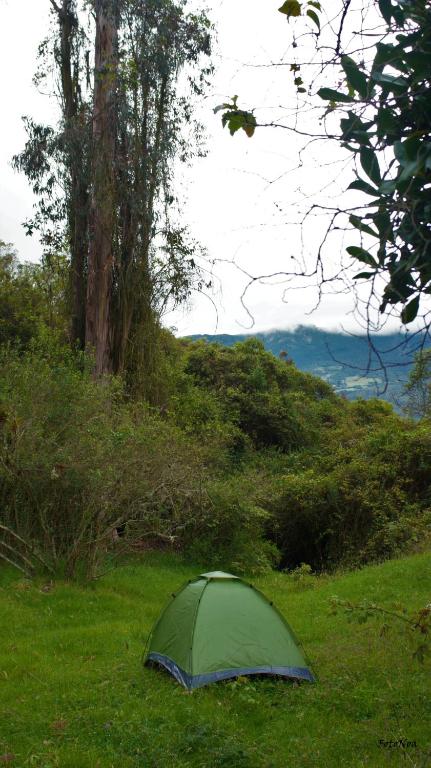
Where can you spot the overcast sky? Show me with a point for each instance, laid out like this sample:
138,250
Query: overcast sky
241,198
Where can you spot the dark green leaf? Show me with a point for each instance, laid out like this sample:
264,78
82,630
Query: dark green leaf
330,95
388,187
382,221
362,186
359,224
396,83
370,164
354,129
314,17
385,7
413,147
420,62
291,8
233,121
410,169
386,122
364,275
384,55
362,255
355,77
399,15
410,310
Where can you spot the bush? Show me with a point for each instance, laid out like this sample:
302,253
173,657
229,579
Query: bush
78,460
271,402
229,533
368,498
31,296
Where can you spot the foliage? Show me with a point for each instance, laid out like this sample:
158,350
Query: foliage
245,461
163,69
236,118
303,576
385,105
356,366
31,296
79,459
362,496
418,387
389,108
77,462
225,454
230,528
337,482
270,401
293,8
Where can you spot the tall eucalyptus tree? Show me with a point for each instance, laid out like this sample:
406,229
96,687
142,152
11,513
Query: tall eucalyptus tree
104,177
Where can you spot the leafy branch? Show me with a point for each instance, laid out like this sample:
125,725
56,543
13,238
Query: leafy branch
384,107
418,623
236,118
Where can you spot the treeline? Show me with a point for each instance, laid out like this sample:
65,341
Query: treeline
240,460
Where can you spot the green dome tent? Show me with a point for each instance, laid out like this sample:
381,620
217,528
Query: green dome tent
218,626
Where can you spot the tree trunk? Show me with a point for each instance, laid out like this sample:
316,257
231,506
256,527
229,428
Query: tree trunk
79,252
102,212
74,129
125,267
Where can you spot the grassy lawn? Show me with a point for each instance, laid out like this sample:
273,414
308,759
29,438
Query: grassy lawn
73,692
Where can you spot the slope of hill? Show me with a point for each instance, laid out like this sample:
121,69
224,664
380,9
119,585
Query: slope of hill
345,361
74,692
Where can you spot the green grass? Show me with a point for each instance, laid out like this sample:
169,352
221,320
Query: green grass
73,692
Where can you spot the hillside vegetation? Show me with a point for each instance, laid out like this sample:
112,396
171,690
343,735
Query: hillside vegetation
74,693
240,457
214,451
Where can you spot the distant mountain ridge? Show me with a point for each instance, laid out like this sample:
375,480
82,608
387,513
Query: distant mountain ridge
347,362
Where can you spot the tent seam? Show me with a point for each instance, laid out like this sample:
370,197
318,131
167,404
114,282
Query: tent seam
194,626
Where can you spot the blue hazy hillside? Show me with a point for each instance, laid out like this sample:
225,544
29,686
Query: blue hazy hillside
347,362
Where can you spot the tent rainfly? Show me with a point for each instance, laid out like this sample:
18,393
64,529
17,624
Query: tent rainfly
218,626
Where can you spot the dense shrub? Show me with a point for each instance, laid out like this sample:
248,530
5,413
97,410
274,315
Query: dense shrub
366,496
229,531
272,402
32,296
